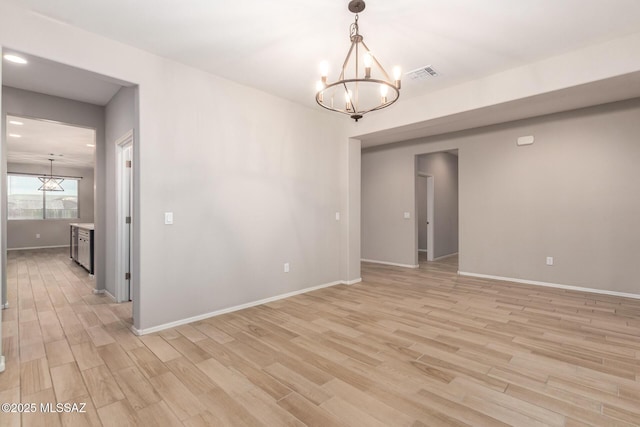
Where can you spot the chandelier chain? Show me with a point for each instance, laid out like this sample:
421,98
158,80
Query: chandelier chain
353,28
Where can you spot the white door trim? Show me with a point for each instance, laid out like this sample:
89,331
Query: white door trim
122,293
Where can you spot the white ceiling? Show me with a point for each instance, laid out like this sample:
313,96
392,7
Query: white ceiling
41,140
276,46
52,78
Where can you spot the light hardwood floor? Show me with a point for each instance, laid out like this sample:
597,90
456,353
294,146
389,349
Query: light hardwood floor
405,347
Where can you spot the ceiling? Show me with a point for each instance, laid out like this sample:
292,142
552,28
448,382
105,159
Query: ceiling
276,46
52,78
36,141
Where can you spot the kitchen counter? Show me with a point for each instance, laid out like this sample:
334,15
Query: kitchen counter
85,225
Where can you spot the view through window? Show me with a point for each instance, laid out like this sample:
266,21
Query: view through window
25,201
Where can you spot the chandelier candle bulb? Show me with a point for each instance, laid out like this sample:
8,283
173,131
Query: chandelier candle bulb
384,90
324,71
397,73
347,99
319,87
367,65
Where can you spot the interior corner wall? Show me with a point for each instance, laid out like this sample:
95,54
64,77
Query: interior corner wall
39,106
253,180
120,117
53,232
444,169
350,212
570,195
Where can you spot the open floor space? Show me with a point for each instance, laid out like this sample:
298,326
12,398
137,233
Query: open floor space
404,347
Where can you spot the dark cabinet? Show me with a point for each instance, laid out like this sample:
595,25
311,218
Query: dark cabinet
82,245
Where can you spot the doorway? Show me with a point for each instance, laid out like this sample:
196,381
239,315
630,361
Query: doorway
436,205
424,201
106,105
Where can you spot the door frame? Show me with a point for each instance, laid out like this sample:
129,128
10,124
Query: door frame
123,291
430,213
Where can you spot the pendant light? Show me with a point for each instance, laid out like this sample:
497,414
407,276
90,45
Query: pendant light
51,183
363,85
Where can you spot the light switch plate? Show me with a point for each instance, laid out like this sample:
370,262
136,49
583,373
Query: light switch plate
168,218
337,216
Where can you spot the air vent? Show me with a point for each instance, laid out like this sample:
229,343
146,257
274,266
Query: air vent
422,73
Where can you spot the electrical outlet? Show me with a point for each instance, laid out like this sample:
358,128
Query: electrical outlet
549,260
286,267
407,215
37,235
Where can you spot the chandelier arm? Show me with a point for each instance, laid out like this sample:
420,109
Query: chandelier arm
376,61
344,84
355,107
346,61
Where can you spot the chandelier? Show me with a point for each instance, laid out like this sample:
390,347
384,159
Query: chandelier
363,85
50,182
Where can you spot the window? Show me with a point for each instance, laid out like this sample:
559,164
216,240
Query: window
25,201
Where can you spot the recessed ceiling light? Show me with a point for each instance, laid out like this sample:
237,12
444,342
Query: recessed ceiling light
15,122
91,145
15,59
15,135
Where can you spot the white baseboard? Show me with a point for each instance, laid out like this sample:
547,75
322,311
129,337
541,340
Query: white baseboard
104,292
352,282
229,310
37,247
1,363
552,285
110,295
389,263
422,250
445,256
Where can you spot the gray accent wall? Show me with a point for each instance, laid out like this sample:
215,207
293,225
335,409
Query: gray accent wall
53,232
444,169
571,195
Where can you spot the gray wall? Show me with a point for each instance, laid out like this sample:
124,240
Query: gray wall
120,117
444,169
253,180
53,232
571,195
388,190
35,105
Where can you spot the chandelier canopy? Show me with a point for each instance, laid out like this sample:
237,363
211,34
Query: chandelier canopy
363,85
50,182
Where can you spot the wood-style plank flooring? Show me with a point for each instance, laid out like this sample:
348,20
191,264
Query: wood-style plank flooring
405,347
